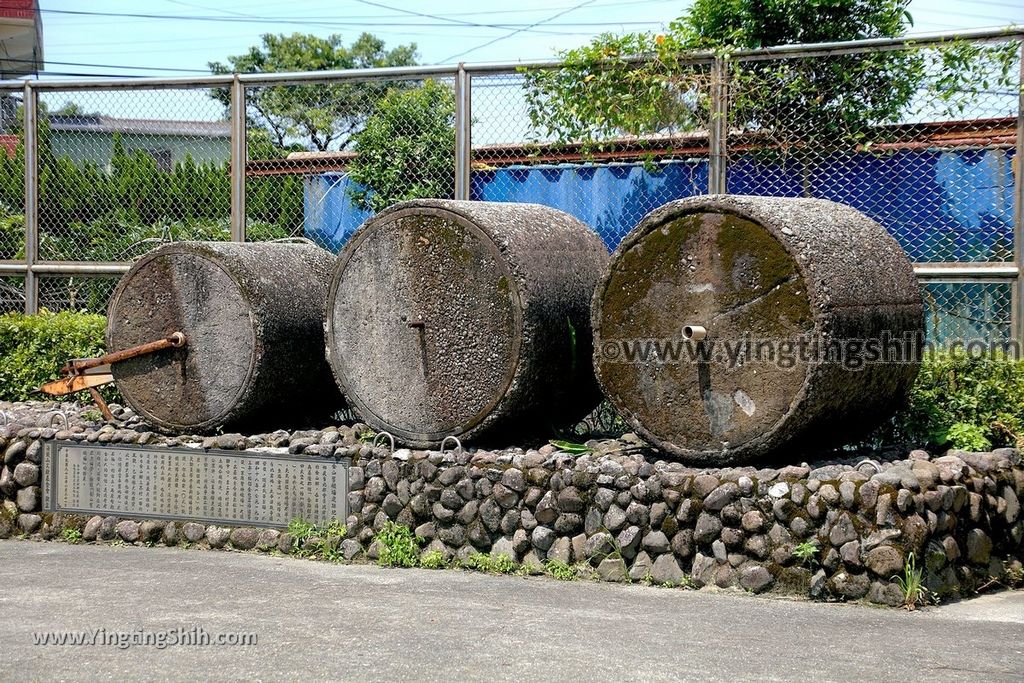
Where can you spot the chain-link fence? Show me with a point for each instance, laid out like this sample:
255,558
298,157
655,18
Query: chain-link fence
12,294
303,177
120,171
966,310
608,176
923,136
920,138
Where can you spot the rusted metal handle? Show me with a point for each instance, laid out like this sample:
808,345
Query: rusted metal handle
172,341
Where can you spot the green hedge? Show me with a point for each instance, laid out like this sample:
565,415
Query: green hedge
33,348
95,213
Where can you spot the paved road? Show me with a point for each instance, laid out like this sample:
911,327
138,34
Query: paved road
318,621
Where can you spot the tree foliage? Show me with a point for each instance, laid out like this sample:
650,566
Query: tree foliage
407,149
118,212
714,24
318,116
642,83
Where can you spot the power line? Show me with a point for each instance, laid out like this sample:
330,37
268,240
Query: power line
961,14
991,3
108,66
518,28
517,31
212,9
78,74
456,20
416,14
176,40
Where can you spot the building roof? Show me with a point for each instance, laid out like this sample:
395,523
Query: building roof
94,123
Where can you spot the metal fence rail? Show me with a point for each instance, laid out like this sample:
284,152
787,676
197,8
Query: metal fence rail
98,172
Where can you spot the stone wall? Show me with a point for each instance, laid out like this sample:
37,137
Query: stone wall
620,510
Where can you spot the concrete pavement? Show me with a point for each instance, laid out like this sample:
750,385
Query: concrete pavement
317,621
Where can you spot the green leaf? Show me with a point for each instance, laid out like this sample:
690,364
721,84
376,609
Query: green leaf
570,447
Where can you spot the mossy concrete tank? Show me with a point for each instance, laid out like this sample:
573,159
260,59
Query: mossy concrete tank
466,319
252,315
731,328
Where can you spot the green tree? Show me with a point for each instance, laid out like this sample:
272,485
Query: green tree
319,116
407,148
70,108
642,83
604,90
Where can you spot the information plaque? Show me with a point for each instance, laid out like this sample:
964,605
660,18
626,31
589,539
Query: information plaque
233,488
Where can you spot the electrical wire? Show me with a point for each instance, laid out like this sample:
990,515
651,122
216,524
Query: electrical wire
509,35
518,28
107,66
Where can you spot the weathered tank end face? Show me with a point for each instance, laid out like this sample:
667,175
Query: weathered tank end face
252,316
432,343
199,383
448,318
750,274
734,279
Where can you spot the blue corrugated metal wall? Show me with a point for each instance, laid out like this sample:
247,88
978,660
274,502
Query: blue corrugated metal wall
940,205
611,199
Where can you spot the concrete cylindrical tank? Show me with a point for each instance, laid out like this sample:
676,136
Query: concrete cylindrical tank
466,319
698,324
252,315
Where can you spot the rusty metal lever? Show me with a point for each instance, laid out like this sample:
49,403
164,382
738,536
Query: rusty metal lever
76,375
175,340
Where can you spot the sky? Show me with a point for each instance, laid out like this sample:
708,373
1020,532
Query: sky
179,37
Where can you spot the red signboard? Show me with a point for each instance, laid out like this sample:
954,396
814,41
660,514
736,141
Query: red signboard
18,9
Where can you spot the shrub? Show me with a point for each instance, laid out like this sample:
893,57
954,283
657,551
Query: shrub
327,538
433,559
963,402
493,564
71,535
560,569
33,348
407,148
118,212
398,546
807,553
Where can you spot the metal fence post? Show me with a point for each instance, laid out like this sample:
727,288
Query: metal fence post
718,127
31,143
463,131
239,156
1018,211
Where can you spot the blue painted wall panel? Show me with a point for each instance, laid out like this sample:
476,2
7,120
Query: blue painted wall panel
940,205
611,199
329,215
